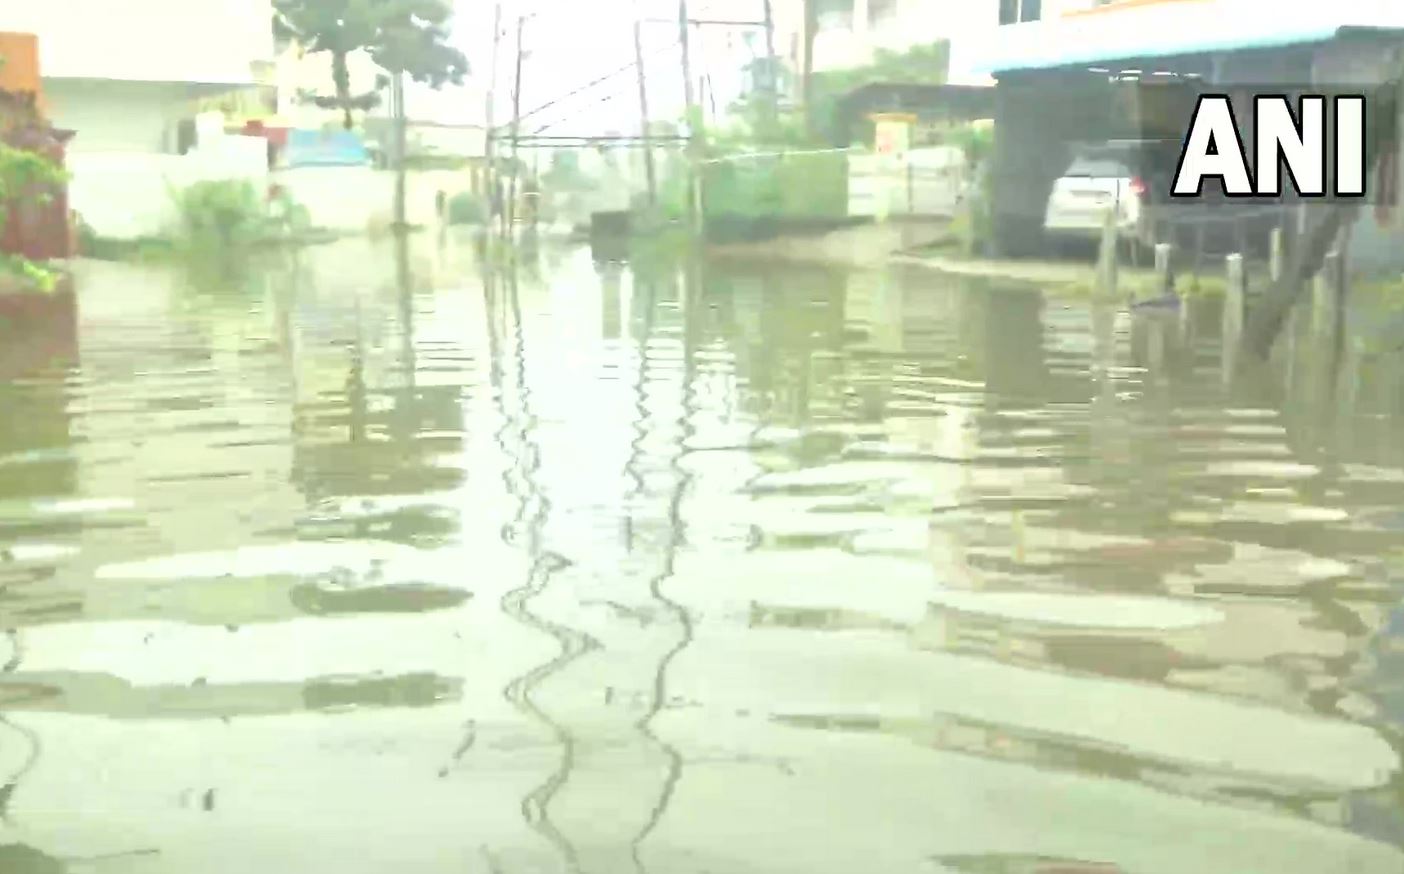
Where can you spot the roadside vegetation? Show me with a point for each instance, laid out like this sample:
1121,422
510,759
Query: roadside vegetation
25,178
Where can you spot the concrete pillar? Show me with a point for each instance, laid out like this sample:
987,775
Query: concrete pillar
1164,280
1235,310
1235,291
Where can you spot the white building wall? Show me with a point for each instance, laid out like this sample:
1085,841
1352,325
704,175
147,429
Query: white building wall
130,195
361,199
117,116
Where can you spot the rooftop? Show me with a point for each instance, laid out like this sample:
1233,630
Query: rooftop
1170,28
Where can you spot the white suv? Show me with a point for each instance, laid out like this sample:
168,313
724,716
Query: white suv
1098,179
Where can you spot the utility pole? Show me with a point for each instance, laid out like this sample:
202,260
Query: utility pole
694,120
649,172
400,121
811,29
489,128
511,210
772,68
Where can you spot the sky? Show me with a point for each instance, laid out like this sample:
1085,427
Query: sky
569,44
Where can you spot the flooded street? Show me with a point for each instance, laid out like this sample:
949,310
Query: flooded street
337,566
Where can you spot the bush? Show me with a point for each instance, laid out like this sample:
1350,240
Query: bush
26,175
793,186
226,213
974,224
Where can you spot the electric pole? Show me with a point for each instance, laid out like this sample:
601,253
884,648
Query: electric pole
511,210
694,120
489,127
772,68
811,29
400,122
649,172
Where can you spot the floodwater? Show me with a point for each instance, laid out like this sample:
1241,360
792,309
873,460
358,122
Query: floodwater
347,565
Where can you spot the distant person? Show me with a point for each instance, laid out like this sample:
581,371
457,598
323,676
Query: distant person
496,204
531,196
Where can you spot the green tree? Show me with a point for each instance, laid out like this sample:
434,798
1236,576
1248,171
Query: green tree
403,38
925,64
26,174
408,37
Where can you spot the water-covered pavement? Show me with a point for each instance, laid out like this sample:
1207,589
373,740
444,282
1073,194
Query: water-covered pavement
329,566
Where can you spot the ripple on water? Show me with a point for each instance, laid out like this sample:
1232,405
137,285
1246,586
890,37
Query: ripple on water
593,550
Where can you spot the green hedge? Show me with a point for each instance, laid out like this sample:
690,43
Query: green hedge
791,186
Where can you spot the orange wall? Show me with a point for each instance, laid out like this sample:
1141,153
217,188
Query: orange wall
19,71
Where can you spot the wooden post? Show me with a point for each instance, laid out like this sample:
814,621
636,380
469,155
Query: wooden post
511,206
694,120
1106,258
650,174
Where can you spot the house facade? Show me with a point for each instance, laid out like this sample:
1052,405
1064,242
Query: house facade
128,79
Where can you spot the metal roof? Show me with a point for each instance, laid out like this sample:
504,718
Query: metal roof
1178,27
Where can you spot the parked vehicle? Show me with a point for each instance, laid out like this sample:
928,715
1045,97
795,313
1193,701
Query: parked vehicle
1134,178
1100,177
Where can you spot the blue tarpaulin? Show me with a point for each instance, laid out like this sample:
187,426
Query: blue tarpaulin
316,148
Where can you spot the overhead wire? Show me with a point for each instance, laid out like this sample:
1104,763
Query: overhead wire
673,45
591,105
593,83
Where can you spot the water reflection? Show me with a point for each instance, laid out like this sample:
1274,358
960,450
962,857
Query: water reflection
382,556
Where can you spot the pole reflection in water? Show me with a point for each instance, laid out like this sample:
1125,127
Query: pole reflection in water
517,440
615,627
676,614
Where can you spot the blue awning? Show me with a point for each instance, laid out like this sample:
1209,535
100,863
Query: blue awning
1176,29
315,148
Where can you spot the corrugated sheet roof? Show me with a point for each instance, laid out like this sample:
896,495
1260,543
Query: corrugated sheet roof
1181,28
